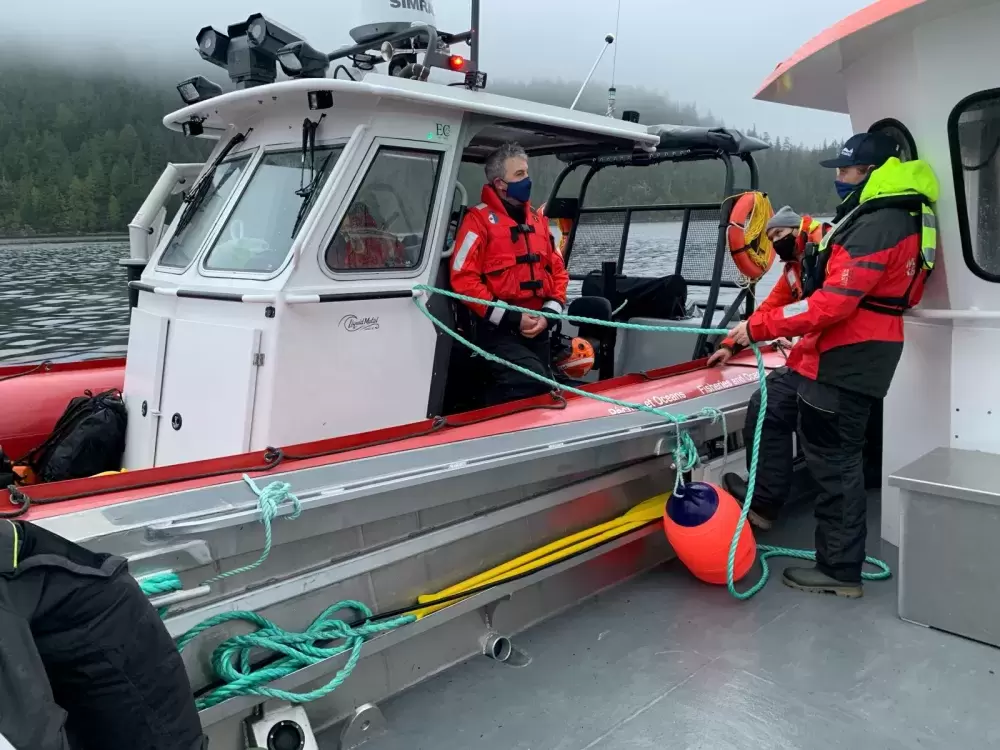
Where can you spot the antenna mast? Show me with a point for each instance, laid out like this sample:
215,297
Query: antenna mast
613,92
608,41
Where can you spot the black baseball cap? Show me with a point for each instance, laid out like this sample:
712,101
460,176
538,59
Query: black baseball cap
864,149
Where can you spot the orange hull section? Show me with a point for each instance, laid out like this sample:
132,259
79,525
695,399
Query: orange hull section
31,403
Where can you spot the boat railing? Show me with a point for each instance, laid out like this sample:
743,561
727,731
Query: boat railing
598,237
602,234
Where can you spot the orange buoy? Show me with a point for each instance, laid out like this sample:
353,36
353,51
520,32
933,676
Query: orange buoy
700,520
746,237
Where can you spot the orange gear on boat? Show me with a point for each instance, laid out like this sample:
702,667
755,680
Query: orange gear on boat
565,227
746,236
579,360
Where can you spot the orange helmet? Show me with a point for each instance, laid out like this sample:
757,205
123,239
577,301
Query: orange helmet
579,360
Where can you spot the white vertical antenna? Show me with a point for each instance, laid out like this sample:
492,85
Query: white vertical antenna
613,92
608,41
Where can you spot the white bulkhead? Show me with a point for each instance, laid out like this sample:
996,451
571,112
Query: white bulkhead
931,70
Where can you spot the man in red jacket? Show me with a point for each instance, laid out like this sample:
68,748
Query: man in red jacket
505,252
867,271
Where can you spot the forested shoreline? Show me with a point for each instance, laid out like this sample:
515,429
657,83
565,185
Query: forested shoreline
79,152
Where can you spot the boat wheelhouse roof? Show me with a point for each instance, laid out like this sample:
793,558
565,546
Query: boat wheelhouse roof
680,142
813,77
540,128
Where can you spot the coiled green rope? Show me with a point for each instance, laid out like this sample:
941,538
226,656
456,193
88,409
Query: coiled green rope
231,659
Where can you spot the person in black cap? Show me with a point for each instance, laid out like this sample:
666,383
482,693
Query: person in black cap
857,283
860,156
85,661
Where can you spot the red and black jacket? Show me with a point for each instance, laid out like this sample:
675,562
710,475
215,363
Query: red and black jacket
498,258
852,325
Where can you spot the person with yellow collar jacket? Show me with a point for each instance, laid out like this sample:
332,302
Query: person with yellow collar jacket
85,661
867,271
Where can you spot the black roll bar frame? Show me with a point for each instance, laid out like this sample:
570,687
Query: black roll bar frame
598,162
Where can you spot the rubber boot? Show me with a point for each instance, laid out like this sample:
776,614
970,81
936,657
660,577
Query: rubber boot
736,486
815,581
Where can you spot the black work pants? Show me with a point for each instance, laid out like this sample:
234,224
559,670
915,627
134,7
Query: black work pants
85,662
506,384
831,424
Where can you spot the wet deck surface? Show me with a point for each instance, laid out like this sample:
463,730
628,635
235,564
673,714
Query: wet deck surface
665,662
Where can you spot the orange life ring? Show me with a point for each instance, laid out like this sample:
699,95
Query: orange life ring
746,236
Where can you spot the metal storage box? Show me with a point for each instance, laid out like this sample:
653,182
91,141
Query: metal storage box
949,542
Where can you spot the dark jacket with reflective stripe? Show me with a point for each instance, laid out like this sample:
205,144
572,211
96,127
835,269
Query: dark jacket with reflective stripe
85,662
845,342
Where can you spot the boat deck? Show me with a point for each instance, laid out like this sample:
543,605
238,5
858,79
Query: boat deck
667,662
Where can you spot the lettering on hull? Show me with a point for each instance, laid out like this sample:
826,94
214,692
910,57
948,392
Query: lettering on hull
353,324
673,397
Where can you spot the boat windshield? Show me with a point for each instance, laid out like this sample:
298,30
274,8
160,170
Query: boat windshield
184,245
260,230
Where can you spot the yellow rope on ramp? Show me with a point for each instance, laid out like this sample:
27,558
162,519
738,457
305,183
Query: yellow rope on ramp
641,515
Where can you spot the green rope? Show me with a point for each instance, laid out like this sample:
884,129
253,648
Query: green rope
268,501
686,453
155,584
231,659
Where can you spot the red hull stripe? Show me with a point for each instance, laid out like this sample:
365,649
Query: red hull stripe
672,386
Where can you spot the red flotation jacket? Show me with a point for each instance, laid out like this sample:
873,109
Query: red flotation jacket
496,258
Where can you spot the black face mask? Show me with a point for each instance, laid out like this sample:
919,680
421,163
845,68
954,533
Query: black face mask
785,248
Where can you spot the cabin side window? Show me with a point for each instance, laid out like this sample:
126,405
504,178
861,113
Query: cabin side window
260,230
196,220
974,135
385,227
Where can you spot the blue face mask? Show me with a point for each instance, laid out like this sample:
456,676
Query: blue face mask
520,190
844,189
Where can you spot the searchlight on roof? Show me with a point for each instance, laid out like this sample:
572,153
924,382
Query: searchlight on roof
405,36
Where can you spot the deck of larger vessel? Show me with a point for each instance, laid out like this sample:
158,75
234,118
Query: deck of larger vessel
667,662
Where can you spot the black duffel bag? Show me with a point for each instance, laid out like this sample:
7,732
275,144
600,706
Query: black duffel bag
663,298
88,439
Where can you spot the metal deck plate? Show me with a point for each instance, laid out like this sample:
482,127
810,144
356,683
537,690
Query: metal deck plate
667,662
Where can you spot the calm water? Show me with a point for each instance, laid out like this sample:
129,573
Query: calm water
62,301
69,300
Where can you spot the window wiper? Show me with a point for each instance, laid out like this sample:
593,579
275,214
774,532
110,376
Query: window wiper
194,199
305,191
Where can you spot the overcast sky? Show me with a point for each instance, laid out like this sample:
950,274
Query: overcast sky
714,53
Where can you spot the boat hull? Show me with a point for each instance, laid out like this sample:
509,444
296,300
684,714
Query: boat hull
384,521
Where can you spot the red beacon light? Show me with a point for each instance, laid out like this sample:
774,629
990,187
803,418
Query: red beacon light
456,63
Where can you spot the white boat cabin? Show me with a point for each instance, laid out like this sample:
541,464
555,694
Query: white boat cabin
280,310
